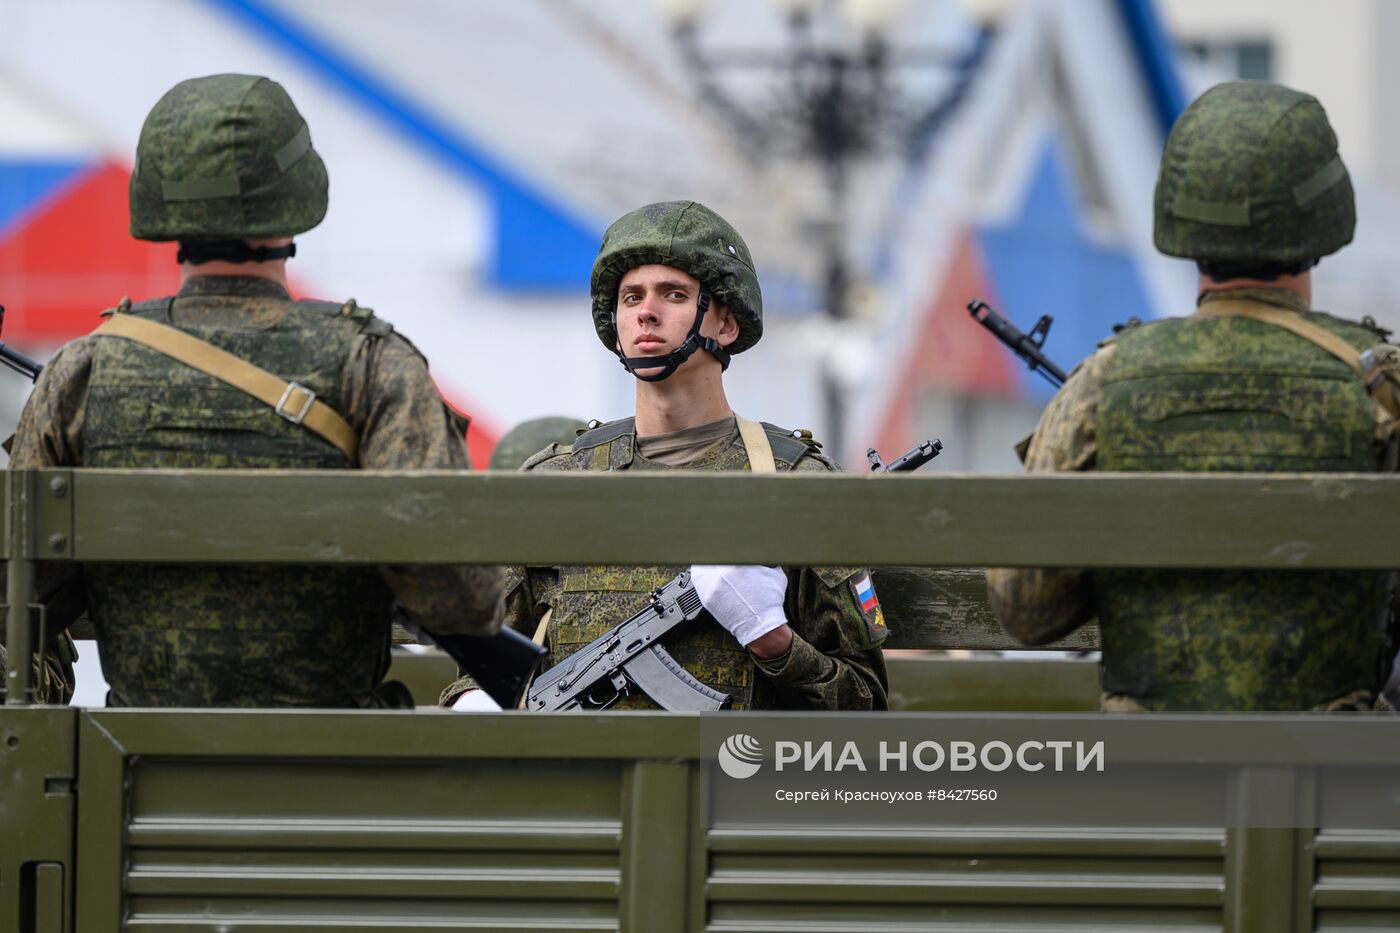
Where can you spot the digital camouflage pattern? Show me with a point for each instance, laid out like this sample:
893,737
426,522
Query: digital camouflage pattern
528,438
835,661
685,235
1237,395
1224,394
226,157
198,635
1251,174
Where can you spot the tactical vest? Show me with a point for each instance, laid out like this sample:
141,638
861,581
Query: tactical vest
230,635
594,599
1235,395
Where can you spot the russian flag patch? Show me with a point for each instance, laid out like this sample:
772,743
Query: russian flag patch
865,593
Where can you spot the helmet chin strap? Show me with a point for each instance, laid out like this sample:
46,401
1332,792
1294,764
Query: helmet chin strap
672,361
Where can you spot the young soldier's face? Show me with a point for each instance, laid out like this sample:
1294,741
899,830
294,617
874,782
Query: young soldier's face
656,308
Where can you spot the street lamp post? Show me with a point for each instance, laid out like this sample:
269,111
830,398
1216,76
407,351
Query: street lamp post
835,101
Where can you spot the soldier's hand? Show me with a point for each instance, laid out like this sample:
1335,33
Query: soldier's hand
746,600
475,701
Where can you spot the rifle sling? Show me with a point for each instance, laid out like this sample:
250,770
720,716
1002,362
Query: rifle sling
292,400
756,444
761,460
541,631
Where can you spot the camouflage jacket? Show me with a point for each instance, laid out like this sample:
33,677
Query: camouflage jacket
1038,606
87,409
835,660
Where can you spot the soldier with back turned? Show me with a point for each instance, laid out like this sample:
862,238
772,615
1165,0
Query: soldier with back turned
1253,190
225,166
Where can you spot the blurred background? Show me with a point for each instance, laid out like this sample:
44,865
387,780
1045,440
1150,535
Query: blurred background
886,161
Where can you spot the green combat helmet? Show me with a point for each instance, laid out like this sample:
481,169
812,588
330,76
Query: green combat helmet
685,235
222,160
1251,178
530,437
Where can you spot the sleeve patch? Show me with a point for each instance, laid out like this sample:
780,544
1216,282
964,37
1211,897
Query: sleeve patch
863,589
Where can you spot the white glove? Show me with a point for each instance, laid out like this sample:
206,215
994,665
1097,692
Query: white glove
476,701
746,600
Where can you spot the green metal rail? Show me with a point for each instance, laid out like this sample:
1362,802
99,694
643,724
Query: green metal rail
1124,520
280,820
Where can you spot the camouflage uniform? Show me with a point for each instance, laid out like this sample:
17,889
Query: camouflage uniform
1225,393
242,635
834,663
835,660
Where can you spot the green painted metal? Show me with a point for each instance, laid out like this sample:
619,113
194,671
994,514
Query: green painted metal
1353,882
245,819
553,822
1304,881
1261,862
699,849
1194,845
101,817
656,796
918,681
282,820
52,500
447,835
19,587
1157,520
38,765
1204,738
50,908
985,684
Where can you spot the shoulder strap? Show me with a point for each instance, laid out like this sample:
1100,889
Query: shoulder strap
756,444
291,400
791,446
1375,382
603,434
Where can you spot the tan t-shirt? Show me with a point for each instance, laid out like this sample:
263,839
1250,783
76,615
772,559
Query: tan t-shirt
678,448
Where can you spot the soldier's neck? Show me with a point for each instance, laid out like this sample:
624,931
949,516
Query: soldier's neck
273,270
1300,284
687,399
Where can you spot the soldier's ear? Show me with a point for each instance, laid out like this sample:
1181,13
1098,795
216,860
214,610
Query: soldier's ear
728,327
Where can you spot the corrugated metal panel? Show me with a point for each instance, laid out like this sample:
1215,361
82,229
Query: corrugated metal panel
837,882
268,845
300,820
1357,885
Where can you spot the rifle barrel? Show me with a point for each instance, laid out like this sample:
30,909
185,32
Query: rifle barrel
20,363
1017,341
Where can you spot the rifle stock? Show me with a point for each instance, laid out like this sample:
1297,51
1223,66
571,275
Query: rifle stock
501,664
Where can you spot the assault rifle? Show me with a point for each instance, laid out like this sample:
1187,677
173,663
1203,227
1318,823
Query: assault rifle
16,360
1026,346
629,657
907,463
